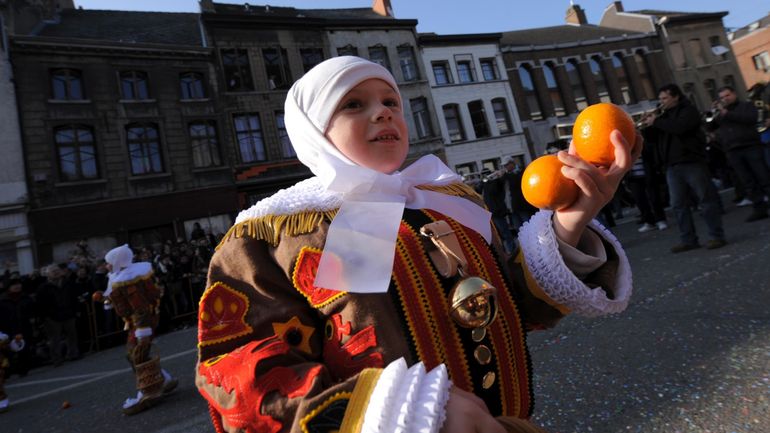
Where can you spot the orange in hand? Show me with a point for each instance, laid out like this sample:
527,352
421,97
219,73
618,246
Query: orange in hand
545,187
591,132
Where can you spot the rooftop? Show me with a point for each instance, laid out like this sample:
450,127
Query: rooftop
561,34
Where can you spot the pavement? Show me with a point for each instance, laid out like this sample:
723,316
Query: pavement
690,354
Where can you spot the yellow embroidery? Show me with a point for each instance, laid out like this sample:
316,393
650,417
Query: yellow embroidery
281,329
354,414
309,417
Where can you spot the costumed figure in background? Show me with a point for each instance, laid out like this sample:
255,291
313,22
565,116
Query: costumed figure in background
367,299
7,343
135,296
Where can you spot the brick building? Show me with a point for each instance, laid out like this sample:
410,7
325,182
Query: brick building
121,131
751,45
555,72
695,46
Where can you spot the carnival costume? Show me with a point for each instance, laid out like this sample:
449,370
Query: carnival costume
135,296
293,336
15,345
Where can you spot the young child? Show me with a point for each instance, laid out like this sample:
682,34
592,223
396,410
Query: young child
368,299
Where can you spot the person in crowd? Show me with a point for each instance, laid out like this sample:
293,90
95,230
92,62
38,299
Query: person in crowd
197,232
494,192
521,210
58,306
17,317
7,344
371,299
135,296
736,123
681,143
642,181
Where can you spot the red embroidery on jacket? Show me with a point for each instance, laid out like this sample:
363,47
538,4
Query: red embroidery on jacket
343,360
304,276
222,315
235,374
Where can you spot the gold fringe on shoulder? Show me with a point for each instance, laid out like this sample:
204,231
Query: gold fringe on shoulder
269,228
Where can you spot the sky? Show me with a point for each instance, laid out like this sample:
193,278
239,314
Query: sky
482,16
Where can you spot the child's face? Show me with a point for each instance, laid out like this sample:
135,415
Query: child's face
368,127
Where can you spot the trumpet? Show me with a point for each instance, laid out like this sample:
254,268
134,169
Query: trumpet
761,116
657,111
710,116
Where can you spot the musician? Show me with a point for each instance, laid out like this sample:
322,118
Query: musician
682,150
736,123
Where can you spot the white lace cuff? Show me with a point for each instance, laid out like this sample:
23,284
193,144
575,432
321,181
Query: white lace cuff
143,332
408,400
541,253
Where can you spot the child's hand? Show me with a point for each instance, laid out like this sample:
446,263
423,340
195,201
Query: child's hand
467,413
597,186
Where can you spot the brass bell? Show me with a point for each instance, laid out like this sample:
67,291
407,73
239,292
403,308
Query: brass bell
473,302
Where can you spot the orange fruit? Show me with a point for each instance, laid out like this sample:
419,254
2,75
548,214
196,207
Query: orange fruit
545,187
591,132
97,296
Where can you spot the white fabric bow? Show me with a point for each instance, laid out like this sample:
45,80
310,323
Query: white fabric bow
360,245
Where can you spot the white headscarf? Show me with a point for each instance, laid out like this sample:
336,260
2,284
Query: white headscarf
119,257
360,246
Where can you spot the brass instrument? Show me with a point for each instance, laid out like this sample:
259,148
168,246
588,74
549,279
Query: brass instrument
657,111
761,116
710,116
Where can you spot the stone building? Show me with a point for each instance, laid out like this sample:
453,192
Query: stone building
751,45
555,72
478,119
121,129
15,246
262,50
695,46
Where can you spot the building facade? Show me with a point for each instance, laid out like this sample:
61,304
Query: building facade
555,72
479,123
121,130
695,46
751,45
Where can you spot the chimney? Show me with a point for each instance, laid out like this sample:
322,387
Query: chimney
382,7
575,15
618,6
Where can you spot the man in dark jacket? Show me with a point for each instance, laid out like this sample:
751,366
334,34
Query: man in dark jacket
58,305
681,149
737,123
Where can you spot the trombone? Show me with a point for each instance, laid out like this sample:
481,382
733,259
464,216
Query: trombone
657,111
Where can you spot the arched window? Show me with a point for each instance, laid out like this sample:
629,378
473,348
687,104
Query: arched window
601,83
478,118
133,85
644,75
622,73
204,143
66,85
454,124
144,148
554,92
248,132
576,83
502,118
191,84
525,75
76,152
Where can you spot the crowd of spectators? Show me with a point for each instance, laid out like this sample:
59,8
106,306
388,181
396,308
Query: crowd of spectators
52,307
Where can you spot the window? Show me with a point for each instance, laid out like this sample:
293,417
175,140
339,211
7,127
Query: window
644,75
379,55
576,83
677,55
601,83
192,85
717,47
287,150
502,119
478,119
205,146
248,133
276,68
133,85
762,61
421,117
347,50
464,72
622,73
466,169
76,152
235,63
490,164
408,63
311,57
554,91
689,91
144,148
454,124
489,69
697,51
525,75
66,85
728,80
441,73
